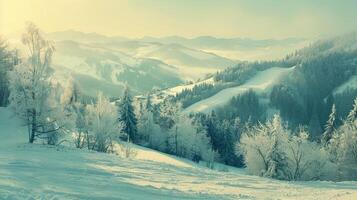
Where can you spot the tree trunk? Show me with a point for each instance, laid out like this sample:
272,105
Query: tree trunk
176,144
33,127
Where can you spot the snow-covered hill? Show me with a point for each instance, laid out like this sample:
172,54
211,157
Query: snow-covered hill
261,82
97,68
236,48
43,172
349,84
192,63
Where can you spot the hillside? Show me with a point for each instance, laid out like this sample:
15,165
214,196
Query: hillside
260,83
324,74
110,70
59,172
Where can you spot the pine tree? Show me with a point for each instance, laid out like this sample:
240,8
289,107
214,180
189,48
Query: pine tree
148,104
277,162
330,126
127,116
352,115
277,159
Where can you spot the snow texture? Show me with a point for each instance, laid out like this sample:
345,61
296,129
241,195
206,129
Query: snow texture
43,172
261,82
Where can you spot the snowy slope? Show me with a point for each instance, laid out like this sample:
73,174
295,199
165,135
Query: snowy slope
180,88
110,70
160,95
42,172
191,63
349,84
261,82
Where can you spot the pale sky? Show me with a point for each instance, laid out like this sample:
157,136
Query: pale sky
190,18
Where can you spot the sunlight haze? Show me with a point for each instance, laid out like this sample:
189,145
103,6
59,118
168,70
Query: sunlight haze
138,18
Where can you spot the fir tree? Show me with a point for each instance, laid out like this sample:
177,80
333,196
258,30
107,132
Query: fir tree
277,162
127,116
330,126
148,104
352,115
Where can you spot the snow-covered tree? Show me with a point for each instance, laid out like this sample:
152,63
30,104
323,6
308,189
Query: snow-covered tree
73,107
271,150
329,127
352,115
103,127
168,114
186,140
307,160
277,162
148,103
343,146
31,89
127,116
150,132
8,59
276,156
257,146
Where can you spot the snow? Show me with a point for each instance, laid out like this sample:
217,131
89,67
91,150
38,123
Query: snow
191,63
73,64
198,54
42,172
261,82
349,84
178,89
159,96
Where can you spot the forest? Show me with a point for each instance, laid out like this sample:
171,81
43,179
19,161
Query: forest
312,136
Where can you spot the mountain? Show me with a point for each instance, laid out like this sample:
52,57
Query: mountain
143,65
103,63
301,87
236,48
193,57
210,42
192,63
96,69
260,83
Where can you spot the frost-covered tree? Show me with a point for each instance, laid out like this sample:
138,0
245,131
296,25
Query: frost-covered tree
168,114
330,126
271,150
8,59
277,162
127,116
73,107
185,139
103,127
30,87
150,132
352,115
307,160
257,145
343,146
276,156
148,103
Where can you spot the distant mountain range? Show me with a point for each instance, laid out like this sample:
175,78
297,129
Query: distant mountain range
106,64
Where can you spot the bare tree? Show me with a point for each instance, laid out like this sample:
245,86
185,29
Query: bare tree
31,89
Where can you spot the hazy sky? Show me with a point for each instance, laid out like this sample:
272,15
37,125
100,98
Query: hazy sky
224,18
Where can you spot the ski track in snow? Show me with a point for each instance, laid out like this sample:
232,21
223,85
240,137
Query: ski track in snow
261,82
43,172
